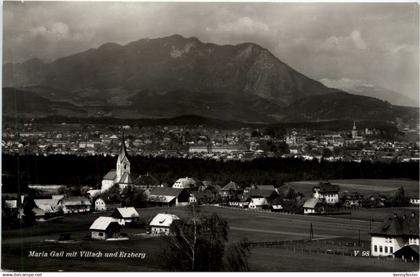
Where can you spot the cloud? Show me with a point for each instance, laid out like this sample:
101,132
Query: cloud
59,31
345,83
241,26
343,43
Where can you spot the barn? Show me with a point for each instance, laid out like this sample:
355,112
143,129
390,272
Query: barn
104,227
125,215
161,223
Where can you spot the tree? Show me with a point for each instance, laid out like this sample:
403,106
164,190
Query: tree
198,243
28,213
237,255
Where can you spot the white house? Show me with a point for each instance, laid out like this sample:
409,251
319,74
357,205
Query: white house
185,183
395,232
258,203
161,223
100,205
104,227
326,191
312,206
75,204
125,215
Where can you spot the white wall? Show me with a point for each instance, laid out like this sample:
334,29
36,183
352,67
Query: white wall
385,243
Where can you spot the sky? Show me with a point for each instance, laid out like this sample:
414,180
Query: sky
375,44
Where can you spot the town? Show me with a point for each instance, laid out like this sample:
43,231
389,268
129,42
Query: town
129,208
354,143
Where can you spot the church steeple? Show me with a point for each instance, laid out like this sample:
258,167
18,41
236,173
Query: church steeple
123,164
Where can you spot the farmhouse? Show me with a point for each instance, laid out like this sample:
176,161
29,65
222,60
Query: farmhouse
163,196
75,204
258,203
185,183
161,224
231,189
125,215
396,232
100,205
104,227
121,175
326,191
202,197
312,206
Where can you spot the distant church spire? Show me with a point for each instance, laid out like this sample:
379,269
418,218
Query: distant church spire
123,164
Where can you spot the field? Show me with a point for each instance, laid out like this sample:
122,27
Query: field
363,186
256,226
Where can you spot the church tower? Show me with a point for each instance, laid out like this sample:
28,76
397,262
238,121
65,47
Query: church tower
123,164
354,131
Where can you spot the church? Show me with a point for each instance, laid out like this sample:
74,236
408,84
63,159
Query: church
121,175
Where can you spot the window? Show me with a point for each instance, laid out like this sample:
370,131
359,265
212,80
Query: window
391,249
100,234
380,249
386,249
375,248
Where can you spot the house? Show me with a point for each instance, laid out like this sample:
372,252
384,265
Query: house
313,206
125,215
75,204
414,201
121,175
163,196
202,197
408,252
147,181
326,192
276,205
267,194
395,232
185,183
100,205
49,206
258,203
161,223
230,190
241,202
104,227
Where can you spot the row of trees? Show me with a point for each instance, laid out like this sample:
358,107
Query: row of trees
77,170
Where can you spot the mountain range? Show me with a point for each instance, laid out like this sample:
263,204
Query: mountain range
174,76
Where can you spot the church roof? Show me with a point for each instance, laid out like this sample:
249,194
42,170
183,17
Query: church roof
123,151
111,175
126,179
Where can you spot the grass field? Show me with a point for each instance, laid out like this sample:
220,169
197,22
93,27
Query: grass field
363,186
256,226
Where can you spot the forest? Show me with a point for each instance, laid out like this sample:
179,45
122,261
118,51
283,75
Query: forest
71,170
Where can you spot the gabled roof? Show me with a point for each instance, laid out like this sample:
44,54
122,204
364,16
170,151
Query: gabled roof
266,187
260,193
413,248
259,201
326,187
159,191
147,180
399,225
102,223
47,205
127,212
123,151
111,175
163,220
231,186
310,203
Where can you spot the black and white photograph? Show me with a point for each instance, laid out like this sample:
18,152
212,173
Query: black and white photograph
210,137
